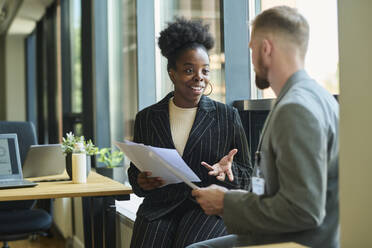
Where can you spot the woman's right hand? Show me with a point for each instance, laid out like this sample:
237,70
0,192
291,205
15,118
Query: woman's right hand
148,183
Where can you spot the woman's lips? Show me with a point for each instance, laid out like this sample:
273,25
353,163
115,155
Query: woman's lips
197,89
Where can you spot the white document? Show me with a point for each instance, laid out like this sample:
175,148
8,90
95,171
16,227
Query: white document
161,162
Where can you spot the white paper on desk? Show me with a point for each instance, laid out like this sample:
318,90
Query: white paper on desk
162,162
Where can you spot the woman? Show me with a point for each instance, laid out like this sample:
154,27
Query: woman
203,131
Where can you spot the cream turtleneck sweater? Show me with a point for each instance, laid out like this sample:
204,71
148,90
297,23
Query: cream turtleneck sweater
181,120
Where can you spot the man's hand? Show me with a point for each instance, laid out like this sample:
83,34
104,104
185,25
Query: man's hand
148,183
223,167
210,199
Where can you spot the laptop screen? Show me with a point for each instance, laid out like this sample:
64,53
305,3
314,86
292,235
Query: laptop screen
9,157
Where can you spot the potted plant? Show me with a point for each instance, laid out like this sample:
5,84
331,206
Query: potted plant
113,166
68,147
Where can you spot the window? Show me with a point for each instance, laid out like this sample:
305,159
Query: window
322,56
76,82
122,68
76,68
209,13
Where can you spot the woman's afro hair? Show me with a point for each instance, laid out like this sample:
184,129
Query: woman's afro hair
182,33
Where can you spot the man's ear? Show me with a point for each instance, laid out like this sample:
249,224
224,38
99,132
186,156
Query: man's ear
266,50
267,47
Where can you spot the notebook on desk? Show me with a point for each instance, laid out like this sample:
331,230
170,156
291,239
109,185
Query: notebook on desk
44,160
10,164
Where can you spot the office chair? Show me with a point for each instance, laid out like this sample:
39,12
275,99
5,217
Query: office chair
18,219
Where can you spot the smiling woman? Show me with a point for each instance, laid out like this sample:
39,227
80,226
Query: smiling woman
207,134
185,44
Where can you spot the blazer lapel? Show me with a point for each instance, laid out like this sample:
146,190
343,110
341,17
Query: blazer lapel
203,120
160,122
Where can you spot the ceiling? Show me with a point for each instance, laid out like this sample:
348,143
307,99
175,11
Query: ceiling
19,17
8,9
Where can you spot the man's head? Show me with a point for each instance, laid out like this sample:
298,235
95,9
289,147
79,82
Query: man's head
279,29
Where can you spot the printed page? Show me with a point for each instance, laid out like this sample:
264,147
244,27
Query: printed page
162,162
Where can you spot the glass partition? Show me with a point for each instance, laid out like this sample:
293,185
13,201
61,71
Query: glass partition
75,34
322,56
122,68
207,11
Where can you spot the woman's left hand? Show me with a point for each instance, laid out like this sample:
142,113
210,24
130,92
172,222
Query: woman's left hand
223,167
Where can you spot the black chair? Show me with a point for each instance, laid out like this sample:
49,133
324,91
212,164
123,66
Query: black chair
19,219
253,114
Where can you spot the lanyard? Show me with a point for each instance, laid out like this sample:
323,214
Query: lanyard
258,152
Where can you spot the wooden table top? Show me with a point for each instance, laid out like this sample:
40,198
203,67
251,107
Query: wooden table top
281,245
97,185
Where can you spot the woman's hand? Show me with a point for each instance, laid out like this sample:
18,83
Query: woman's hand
148,183
223,167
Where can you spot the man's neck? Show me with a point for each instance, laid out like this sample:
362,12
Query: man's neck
281,72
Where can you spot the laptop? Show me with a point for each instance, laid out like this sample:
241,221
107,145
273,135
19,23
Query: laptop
10,164
44,160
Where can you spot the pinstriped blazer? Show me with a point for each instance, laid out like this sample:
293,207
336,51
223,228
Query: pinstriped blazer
216,130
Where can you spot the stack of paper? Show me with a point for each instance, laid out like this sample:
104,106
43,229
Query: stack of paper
161,162
129,208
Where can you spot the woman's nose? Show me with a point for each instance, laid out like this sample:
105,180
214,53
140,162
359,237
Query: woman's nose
198,78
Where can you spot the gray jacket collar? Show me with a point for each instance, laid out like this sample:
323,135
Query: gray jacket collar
296,77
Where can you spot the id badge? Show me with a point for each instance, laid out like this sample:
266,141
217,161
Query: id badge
258,185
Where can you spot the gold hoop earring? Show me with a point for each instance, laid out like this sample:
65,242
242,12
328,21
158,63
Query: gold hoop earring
210,92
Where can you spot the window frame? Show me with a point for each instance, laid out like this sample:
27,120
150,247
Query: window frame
237,54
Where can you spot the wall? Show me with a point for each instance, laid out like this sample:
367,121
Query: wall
63,220
62,216
15,78
78,239
124,231
2,78
355,44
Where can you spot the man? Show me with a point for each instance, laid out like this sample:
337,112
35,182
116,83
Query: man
295,183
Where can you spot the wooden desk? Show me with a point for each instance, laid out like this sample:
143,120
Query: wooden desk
98,195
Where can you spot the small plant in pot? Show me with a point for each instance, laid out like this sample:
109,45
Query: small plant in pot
68,144
113,166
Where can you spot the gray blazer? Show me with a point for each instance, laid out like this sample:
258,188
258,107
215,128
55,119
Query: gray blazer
299,162
216,130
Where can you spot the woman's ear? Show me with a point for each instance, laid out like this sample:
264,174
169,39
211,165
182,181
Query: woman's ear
171,75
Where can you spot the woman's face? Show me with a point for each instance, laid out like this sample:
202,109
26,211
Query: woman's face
190,77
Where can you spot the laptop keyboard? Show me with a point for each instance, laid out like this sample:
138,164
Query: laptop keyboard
16,183
12,182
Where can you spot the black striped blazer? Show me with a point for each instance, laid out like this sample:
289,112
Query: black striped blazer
216,130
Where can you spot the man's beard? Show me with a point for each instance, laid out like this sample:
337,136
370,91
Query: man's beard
262,83
261,76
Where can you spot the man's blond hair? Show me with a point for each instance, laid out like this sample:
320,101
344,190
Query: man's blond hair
285,21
